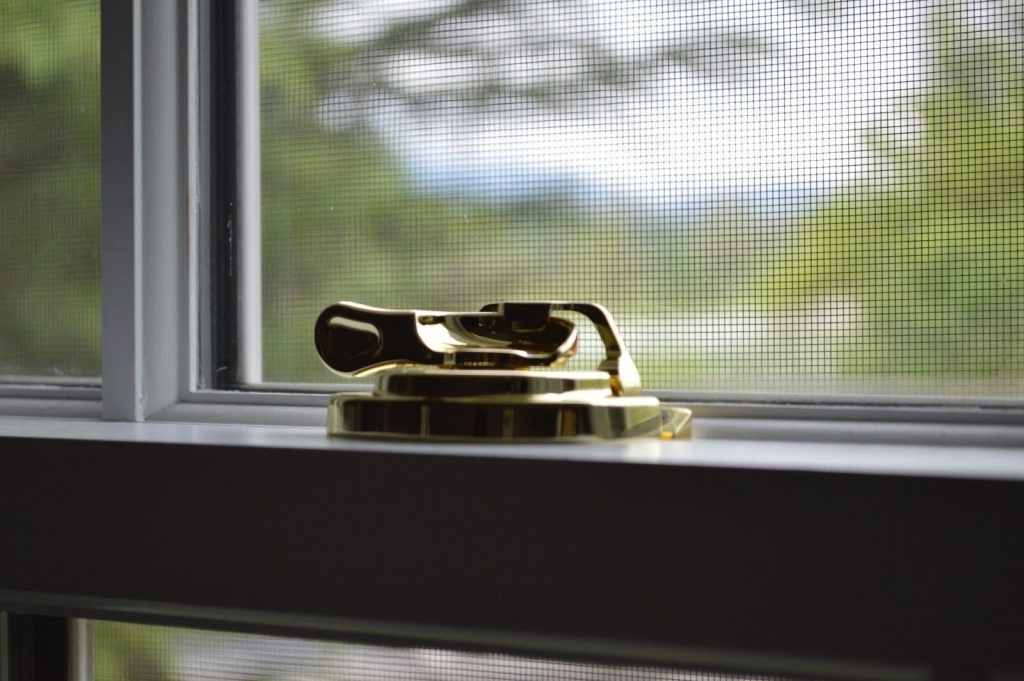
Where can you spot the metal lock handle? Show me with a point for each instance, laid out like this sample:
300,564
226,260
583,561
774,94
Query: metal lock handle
357,340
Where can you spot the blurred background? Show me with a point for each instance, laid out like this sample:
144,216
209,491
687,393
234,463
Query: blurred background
49,190
772,197
131,652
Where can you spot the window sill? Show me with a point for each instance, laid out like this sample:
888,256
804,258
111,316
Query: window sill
839,447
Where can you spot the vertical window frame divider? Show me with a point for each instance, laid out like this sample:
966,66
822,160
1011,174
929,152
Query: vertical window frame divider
145,207
165,203
224,119
249,170
213,120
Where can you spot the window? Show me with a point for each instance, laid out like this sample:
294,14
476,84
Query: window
826,213
49,192
747,549
776,199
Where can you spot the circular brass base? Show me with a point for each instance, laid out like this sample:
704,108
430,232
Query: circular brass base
508,419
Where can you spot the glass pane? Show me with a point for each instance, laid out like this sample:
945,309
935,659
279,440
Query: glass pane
128,652
781,196
49,189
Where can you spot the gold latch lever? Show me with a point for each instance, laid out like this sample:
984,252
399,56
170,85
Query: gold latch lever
358,339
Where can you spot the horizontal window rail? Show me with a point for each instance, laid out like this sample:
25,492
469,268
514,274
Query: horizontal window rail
730,555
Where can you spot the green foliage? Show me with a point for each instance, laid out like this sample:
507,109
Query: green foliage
49,187
934,252
130,652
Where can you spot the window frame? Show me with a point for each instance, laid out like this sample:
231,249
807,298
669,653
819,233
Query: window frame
156,152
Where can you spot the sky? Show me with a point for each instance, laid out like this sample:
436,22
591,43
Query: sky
799,112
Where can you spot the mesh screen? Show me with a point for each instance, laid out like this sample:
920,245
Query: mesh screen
127,652
49,189
772,196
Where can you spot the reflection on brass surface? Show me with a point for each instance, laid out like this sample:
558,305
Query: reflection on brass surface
476,376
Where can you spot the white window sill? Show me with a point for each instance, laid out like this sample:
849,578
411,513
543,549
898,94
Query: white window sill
931,450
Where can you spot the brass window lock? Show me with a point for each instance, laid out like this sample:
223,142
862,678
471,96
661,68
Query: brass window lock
485,376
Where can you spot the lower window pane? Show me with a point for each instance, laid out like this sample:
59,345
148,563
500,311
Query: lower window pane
128,652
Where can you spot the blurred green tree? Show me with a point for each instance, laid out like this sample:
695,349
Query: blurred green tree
931,252
49,187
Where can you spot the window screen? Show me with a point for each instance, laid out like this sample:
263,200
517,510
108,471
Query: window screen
49,189
772,196
125,652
